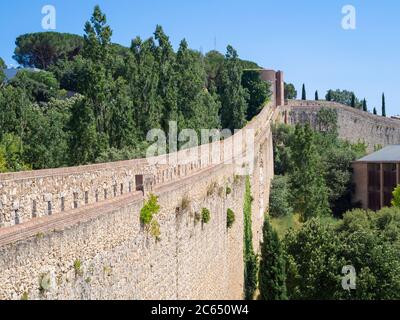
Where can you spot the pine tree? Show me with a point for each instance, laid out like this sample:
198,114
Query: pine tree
316,96
375,112
272,275
383,105
232,93
365,105
303,93
353,101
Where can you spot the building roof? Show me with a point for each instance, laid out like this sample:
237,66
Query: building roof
387,154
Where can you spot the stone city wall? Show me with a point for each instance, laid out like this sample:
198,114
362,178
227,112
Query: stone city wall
100,250
354,125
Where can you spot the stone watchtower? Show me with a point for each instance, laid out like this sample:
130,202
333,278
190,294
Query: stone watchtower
275,78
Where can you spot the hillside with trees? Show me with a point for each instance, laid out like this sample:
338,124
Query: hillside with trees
94,101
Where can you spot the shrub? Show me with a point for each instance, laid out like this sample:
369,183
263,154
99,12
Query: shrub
44,282
228,191
185,203
25,296
205,215
279,198
78,267
155,230
230,218
211,189
150,208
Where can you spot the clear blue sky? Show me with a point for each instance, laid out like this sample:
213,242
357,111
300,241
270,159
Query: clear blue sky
302,38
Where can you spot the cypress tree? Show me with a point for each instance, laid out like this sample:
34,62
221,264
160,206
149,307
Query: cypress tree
353,101
272,275
375,112
316,96
303,93
365,105
383,105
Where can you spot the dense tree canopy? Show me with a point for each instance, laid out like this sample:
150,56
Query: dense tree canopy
96,101
314,162
368,241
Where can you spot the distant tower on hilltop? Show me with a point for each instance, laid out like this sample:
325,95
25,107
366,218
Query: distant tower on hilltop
276,79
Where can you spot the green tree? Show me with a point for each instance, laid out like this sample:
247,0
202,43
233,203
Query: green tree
122,131
233,95
344,97
282,136
46,135
167,84
353,101
43,49
143,81
40,86
258,92
375,112
309,192
313,262
11,158
364,104
279,205
97,80
303,92
83,144
396,197
272,274
196,107
383,105
329,95
290,91
2,75
316,96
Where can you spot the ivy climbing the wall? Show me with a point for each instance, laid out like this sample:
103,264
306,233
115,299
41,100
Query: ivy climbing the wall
250,258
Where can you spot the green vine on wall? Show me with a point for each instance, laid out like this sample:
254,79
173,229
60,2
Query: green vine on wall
147,216
250,258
